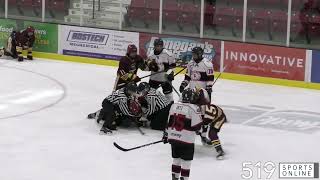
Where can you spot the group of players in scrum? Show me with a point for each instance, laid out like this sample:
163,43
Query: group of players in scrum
181,121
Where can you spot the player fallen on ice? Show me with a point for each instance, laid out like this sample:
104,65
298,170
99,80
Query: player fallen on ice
128,67
161,62
19,41
155,106
184,121
119,108
199,73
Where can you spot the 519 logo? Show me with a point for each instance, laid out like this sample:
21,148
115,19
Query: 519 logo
258,170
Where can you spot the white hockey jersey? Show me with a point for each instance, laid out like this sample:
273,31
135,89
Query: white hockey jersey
164,60
184,120
200,74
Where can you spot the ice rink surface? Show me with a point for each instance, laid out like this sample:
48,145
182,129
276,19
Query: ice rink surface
44,133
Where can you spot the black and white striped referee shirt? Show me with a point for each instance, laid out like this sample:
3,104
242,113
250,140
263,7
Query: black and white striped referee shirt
156,101
120,99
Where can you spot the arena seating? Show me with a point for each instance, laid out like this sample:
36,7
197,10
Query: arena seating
36,5
266,16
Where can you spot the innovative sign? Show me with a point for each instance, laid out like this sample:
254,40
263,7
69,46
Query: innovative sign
266,61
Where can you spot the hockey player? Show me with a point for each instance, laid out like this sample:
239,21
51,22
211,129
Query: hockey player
19,41
121,101
199,72
184,121
154,105
128,67
213,120
161,60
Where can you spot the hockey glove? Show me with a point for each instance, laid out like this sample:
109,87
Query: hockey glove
183,85
170,75
165,137
136,78
153,66
209,90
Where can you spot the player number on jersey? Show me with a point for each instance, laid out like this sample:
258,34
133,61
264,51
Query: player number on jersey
178,122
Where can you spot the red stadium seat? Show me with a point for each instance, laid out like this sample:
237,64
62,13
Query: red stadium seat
170,11
153,7
238,20
259,3
55,5
189,14
314,25
297,5
233,2
224,18
209,14
279,21
298,22
259,20
136,10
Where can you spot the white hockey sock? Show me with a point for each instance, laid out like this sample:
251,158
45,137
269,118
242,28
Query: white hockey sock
185,169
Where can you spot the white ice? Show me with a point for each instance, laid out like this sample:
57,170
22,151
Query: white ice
44,133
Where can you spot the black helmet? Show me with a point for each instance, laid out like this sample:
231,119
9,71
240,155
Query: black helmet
199,52
143,88
131,88
158,42
190,96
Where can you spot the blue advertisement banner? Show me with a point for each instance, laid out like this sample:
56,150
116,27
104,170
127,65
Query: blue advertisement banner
315,69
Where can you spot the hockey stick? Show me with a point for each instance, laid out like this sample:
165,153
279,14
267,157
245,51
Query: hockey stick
138,127
125,83
179,71
175,90
137,147
219,75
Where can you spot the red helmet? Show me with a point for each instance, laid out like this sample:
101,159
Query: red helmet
131,48
30,30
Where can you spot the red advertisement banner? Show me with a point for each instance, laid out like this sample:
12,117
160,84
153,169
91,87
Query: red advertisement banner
181,46
266,61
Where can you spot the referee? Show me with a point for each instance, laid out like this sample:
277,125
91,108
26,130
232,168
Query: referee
154,105
119,102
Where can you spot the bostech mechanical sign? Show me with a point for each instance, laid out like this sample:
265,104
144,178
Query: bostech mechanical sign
266,61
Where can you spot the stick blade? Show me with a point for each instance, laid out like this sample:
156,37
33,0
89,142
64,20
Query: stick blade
119,147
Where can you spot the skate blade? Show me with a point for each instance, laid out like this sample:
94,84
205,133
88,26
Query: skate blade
220,158
105,134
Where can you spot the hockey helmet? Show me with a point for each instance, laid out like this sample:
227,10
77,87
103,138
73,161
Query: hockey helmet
158,46
131,88
190,96
134,107
132,49
197,53
30,30
158,42
143,88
